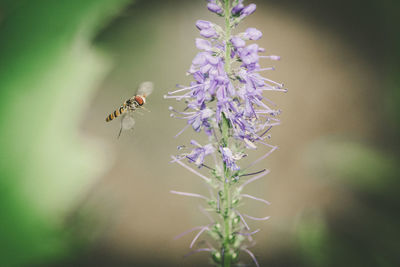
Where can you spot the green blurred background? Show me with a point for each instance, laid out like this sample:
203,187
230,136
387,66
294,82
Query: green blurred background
72,194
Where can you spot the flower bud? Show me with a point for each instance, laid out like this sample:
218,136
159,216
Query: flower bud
231,238
216,255
212,60
203,24
236,220
208,33
238,42
236,9
253,34
235,256
203,44
221,79
217,228
248,10
199,59
214,8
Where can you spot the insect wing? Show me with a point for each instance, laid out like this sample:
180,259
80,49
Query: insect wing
145,89
127,121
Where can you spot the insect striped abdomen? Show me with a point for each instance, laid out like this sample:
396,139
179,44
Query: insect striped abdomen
116,113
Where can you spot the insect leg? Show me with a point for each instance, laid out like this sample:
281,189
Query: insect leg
120,131
145,109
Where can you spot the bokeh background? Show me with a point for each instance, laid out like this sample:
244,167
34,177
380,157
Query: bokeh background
72,194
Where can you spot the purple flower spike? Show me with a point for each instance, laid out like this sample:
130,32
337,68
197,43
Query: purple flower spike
227,100
253,34
248,10
214,8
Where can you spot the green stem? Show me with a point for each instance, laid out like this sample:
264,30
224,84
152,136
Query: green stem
225,136
227,253
226,199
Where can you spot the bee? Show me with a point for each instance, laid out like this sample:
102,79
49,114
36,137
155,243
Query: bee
129,106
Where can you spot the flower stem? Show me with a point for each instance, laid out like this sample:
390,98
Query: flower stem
225,136
226,252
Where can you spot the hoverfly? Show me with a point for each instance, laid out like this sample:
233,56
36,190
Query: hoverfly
130,105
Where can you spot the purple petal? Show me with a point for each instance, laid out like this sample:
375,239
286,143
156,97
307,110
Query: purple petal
243,221
208,149
208,33
256,198
238,42
273,57
199,59
248,234
248,10
197,236
190,169
212,60
256,218
188,231
189,194
236,9
195,143
214,8
203,44
253,34
203,24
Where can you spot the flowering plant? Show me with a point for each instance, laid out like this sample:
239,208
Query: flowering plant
226,102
